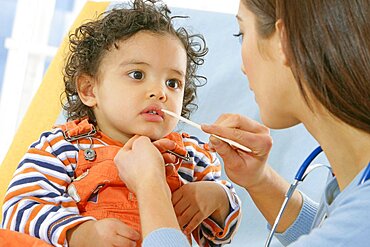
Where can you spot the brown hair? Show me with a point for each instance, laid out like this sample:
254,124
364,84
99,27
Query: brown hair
264,10
90,42
328,46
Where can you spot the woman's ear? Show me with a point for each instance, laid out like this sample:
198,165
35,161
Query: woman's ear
86,89
279,25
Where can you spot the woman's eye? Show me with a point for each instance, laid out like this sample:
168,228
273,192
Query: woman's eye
239,36
173,83
137,75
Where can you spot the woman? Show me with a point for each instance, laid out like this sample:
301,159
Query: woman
307,62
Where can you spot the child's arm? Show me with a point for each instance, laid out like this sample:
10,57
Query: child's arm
217,198
36,202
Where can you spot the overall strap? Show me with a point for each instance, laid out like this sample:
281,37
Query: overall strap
77,129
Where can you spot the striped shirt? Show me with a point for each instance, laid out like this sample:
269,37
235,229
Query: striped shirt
37,203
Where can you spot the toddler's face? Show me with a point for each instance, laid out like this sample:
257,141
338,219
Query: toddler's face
145,74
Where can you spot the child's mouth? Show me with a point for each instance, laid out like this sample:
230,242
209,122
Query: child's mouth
153,112
153,115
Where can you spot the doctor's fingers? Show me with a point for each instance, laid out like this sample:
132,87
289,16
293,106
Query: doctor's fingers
234,159
130,142
238,121
127,149
169,158
259,143
164,144
142,142
143,148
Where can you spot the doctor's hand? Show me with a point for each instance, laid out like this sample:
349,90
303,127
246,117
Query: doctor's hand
196,201
245,169
140,164
163,145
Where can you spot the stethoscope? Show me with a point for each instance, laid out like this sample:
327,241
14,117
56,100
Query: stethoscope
303,171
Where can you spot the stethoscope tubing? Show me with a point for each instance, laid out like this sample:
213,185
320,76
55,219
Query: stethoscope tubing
302,169
299,177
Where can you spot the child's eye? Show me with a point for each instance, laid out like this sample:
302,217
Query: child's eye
239,35
173,83
137,75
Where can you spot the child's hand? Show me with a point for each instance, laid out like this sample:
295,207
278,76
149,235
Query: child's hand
196,201
105,232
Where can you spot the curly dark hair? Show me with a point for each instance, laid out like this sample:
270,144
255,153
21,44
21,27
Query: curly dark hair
90,42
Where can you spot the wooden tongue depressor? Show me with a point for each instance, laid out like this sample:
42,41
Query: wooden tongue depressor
231,142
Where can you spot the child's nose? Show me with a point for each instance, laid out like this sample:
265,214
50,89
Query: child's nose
157,93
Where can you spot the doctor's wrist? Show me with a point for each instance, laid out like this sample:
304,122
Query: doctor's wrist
265,180
146,187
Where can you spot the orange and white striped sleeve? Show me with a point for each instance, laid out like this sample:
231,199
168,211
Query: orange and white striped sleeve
36,202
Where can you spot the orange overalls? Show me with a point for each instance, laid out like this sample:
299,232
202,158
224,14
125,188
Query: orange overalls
97,187
9,238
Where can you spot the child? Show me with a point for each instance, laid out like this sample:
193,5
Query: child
123,69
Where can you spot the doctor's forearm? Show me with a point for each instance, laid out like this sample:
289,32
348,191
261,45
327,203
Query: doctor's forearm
156,210
269,196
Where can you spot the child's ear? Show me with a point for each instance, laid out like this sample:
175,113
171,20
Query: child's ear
86,89
279,25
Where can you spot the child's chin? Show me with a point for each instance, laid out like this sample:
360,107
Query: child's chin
152,136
